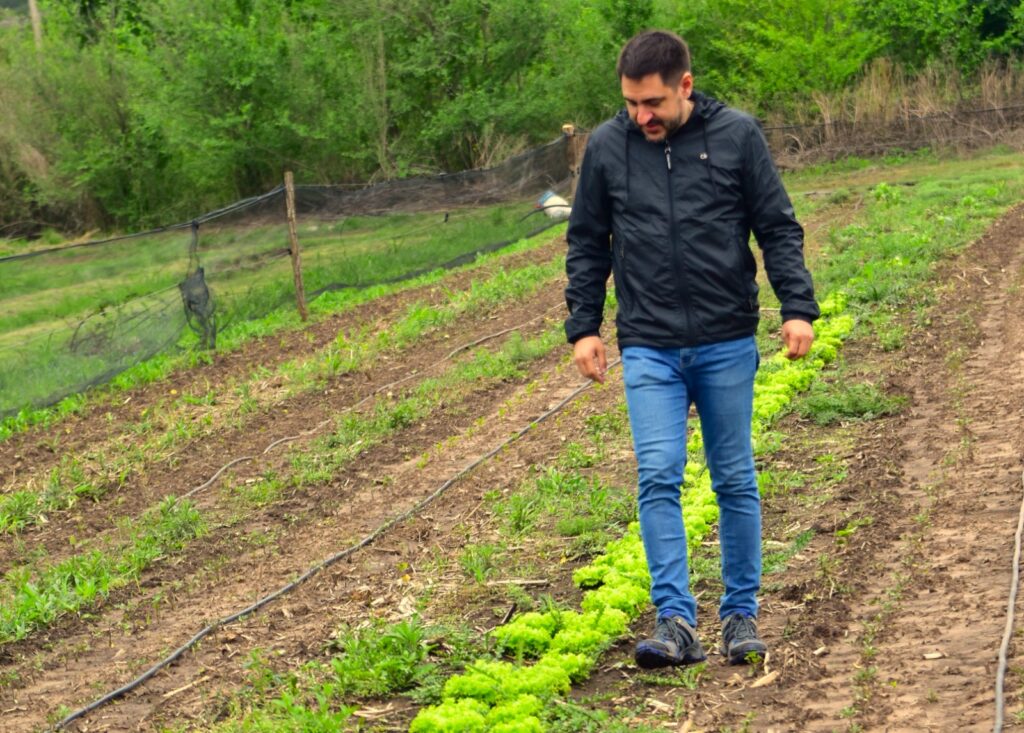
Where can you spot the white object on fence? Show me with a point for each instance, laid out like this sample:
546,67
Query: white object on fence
554,205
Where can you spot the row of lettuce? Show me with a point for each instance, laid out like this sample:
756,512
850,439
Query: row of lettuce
554,649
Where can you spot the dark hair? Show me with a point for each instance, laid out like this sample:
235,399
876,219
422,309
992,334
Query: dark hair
654,52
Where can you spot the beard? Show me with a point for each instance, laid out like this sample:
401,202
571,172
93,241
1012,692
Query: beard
658,129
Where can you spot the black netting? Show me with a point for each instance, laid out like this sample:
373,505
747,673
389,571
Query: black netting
77,315
906,130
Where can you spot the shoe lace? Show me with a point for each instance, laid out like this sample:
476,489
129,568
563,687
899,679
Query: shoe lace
742,627
668,628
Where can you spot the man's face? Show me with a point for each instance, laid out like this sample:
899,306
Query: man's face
657,108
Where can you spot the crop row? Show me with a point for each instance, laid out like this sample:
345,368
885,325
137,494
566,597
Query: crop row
39,595
236,336
166,429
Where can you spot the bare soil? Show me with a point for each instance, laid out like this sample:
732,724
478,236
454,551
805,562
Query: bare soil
893,625
897,625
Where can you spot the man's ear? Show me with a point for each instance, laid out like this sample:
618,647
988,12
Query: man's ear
686,84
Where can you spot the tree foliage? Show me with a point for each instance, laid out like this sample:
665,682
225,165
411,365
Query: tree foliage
141,111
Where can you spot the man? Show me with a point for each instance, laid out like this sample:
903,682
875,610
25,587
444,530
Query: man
669,192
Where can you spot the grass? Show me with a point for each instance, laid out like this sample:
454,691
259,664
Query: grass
66,485
358,251
479,562
830,402
585,510
776,562
29,601
375,660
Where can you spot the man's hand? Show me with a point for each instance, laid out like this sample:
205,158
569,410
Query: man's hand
590,358
797,335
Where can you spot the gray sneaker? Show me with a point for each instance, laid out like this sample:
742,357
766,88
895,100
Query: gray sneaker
674,643
739,639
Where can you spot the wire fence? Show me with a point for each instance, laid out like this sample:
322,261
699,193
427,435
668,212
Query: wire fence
899,129
75,316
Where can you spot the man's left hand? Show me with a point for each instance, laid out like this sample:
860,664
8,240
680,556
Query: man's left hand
797,335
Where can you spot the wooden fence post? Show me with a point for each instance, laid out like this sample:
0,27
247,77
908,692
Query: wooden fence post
574,155
293,237
37,23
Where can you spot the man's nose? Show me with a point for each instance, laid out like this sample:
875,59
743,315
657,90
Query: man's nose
643,116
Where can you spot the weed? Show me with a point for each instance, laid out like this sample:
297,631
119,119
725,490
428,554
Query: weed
775,562
779,483
380,660
28,603
260,491
828,403
852,526
478,561
690,676
575,456
687,677
866,675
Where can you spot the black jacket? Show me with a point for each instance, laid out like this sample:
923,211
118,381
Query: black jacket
672,220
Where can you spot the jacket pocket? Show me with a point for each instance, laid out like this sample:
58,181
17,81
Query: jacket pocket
621,271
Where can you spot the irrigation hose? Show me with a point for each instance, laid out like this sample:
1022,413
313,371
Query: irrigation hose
1008,631
213,478
368,539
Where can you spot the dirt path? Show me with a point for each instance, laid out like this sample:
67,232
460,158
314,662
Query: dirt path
962,477
915,648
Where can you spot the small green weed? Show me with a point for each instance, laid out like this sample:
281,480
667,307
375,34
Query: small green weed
380,660
479,561
775,562
29,602
829,403
261,491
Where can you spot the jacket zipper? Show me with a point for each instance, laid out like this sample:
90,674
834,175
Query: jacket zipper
677,249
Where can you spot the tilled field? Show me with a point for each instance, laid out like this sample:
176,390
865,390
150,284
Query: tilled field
897,625
887,617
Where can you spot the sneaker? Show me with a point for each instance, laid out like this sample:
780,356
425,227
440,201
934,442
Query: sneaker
674,643
739,638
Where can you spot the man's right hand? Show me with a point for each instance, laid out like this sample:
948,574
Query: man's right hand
590,358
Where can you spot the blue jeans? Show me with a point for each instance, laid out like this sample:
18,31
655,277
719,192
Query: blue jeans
661,384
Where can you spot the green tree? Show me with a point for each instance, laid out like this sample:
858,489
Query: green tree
774,56
916,33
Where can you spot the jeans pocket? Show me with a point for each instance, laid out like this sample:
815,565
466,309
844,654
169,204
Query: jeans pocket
643,366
